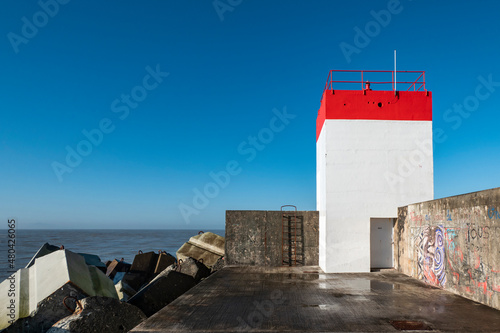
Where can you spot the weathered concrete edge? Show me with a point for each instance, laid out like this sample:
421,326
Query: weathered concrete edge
194,289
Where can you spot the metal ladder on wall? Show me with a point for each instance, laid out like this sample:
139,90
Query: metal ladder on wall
292,237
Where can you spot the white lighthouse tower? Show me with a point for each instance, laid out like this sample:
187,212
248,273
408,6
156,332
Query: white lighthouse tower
374,154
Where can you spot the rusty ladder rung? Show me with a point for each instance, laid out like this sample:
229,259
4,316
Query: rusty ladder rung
289,222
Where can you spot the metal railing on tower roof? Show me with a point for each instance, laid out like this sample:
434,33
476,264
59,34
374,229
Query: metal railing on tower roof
379,76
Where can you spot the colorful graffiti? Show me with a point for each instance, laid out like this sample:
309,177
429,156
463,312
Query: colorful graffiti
471,275
431,256
453,248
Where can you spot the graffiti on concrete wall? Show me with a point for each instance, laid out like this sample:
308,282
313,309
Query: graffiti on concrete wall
431,256
493,213
456,249
467,259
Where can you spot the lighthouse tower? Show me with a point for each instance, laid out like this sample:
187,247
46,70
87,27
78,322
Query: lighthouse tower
374,154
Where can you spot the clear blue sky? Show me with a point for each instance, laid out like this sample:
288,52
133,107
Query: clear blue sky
228,68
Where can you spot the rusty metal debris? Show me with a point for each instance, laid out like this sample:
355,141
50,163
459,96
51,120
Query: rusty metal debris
77,304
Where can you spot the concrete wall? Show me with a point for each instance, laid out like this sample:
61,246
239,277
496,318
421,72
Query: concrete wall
453,243
359,177
254,237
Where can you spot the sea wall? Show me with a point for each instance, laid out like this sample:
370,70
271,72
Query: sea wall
254,237
453,243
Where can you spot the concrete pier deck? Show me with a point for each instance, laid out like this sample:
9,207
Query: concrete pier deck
305,299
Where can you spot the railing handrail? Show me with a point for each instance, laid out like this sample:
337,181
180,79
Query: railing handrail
419,82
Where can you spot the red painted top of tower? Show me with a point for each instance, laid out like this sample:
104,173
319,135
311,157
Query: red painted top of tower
412,104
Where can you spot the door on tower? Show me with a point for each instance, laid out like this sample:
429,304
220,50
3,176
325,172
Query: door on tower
381,244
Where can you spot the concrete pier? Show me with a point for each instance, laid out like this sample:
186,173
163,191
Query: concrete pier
304,299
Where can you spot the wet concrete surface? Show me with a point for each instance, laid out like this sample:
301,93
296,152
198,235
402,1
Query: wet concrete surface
305,299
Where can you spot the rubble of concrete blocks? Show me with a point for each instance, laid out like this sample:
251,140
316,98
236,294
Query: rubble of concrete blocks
63,291
150,264
36,294
205,247
143,269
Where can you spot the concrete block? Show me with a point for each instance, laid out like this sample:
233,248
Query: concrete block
118,277
48,311
90,259
162,291
124,291
207,247
30,286
145,263
164,260
116,266
218,265
189,266
134,279
194,268
44,250
100,314
210,242
94,260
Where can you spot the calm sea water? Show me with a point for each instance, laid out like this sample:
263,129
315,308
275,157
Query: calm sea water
107,244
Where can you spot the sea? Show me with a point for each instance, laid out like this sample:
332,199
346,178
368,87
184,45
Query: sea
107,244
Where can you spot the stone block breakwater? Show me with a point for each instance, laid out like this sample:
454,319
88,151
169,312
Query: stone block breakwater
63,291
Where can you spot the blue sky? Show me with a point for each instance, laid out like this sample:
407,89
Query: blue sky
178,89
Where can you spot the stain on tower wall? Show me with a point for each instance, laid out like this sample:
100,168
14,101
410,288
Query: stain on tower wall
453,243
254,237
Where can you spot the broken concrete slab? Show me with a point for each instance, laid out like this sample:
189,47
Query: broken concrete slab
28,287
100,314
207,247
162,291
